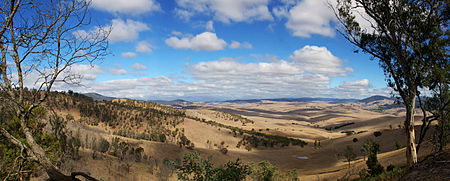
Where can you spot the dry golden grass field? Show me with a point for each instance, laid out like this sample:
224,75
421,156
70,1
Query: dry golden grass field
333,126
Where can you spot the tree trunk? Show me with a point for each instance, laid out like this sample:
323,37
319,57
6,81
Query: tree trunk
53,172
411,154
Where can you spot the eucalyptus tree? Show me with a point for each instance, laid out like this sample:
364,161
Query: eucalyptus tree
39,42
407,38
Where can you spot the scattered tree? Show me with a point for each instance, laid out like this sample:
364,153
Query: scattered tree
349,154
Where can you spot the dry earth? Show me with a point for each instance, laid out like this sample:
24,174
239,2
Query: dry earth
302,120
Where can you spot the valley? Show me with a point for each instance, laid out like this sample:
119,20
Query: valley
309,137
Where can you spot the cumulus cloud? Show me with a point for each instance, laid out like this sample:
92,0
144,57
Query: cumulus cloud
225,10
138,66
236,78
360,88
205,41
117,70
144,47
236,44
87,72
128,55
133,7
310,17
315,17
126,31
314,59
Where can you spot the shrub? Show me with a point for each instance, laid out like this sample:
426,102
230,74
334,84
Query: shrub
398,145
193,167
355,140
264,171
374,167
104,145
224,151
377,133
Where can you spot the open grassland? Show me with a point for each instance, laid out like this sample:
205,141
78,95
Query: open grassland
253,132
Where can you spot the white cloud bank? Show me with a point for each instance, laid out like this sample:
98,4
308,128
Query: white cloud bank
228,78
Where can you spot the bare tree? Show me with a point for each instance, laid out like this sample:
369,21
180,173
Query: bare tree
41,40
407,37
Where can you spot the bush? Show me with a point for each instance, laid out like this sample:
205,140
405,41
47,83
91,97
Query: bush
355,140
390,168
377,133
224,151
264,171
374,167
398,145
193,167
104,145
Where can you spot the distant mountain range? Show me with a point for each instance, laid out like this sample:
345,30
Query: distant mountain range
180,102
303,99
98,97
376,98
177,102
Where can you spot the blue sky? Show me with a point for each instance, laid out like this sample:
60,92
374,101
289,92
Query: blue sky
212,50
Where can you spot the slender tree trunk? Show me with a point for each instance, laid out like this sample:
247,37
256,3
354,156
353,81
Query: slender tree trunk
411,154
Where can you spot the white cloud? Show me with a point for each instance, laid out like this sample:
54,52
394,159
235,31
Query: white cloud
138,66
128,55
133,7
315,17
117,71
209,26
314,59
358,88
144,47
306,73
310,17
126,31
205,41
87,72
236,44
226,10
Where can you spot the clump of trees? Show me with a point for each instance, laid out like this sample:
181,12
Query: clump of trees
194,167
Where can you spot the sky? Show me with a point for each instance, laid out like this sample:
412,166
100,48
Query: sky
215,50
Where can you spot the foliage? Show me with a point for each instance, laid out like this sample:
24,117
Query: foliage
264,171
374,167
103,145
57,144
409,38
193,167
